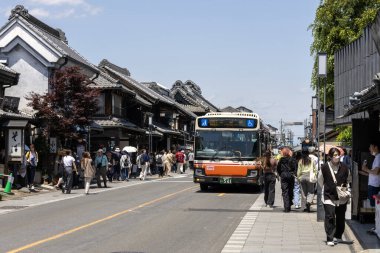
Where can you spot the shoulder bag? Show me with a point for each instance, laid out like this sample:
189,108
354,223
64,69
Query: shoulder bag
312,177
343,194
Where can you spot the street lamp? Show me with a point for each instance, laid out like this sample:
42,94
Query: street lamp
322,73
150,122
184,136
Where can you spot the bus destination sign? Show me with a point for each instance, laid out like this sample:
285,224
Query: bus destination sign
227,123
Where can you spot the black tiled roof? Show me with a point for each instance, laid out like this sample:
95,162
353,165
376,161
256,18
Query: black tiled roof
54,37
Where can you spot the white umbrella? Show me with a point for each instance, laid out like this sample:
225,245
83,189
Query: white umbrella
130,149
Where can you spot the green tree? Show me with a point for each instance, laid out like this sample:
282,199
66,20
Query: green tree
336,24
69,104
345,135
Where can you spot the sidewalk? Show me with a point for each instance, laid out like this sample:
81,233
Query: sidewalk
20,199
265,229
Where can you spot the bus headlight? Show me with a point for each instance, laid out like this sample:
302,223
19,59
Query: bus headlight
252,173
199,172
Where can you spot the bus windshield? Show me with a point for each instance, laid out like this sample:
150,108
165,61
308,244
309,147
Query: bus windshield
227,145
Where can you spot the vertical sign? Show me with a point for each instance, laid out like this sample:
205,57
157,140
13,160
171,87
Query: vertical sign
14,143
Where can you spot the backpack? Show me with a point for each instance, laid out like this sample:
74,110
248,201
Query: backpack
159,159
142,160
126,161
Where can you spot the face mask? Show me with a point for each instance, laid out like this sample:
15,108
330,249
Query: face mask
336,159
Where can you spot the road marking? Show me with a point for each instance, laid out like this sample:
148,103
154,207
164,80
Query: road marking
239,237
221,195
34,244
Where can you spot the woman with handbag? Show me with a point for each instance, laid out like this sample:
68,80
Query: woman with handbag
88,171
333,174
306,174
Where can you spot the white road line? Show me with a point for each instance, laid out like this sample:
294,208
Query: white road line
239,237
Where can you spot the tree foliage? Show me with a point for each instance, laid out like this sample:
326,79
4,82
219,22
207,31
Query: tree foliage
345,135
336,24
69,103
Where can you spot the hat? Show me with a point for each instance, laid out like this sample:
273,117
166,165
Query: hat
117,149
100,150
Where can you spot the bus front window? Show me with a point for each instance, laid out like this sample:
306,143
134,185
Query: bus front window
227,145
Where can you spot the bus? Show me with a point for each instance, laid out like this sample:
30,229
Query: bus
227,147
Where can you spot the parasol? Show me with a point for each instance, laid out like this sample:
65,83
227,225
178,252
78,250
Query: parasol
329,146
130,149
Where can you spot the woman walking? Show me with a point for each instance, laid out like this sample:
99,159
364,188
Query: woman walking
286,168
88,171
306,168
31,160
269,169
335,209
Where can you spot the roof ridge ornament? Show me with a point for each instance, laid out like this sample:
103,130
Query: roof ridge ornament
19,10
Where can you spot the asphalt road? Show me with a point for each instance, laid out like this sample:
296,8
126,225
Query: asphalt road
169,215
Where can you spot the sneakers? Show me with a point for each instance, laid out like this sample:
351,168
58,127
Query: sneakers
337,240
330,244
298,206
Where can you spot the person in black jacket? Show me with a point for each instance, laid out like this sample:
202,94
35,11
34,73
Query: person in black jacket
287,169
335,209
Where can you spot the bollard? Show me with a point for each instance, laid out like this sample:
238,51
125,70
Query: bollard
8,187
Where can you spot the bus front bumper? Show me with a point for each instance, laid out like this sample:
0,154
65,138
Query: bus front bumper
225,180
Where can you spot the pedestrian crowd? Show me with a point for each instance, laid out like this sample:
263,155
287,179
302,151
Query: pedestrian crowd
79,172
298,175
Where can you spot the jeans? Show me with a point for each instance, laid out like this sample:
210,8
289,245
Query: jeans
296,193
31,171
68,179
372,190
334,221
269,188
124,173
307,190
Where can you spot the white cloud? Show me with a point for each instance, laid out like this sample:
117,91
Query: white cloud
58,2
64,8
38,12
65,13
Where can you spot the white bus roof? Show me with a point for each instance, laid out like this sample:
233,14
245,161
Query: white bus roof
229,114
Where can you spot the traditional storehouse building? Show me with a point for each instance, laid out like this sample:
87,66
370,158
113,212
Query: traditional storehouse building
357,97
161,116
190,95
36,50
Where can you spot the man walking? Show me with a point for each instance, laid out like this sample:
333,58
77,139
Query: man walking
69,165
144,161
101,164
180,157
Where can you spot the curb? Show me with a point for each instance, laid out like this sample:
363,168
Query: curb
350,235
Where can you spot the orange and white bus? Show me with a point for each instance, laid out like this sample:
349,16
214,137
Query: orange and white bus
227,145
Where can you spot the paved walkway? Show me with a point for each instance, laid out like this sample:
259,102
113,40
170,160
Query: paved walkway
265,229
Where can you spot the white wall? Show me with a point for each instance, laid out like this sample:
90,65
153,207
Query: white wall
33,75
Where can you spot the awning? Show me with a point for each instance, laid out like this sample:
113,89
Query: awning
154,133
361,107
117,123
16,123
166,130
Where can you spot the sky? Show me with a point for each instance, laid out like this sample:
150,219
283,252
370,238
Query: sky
250,53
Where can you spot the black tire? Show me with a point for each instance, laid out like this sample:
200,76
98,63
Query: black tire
204,187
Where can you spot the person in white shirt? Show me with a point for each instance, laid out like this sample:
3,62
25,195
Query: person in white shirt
69,167
373,173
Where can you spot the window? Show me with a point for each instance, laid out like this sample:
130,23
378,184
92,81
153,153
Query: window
116,105
101,104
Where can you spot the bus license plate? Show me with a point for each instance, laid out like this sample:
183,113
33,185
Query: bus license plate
225,180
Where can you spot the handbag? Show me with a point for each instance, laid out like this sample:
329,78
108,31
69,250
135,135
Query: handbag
312,176
343,194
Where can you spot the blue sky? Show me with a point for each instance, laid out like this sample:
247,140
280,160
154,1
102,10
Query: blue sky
250,53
